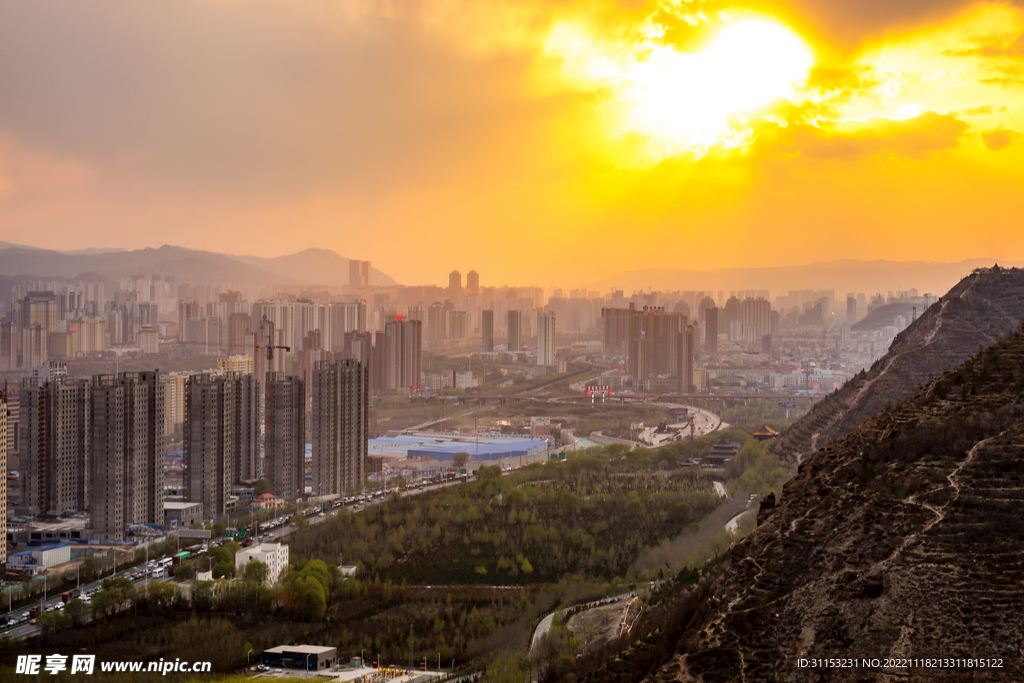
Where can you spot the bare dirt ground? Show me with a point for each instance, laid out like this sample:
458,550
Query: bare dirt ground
596,626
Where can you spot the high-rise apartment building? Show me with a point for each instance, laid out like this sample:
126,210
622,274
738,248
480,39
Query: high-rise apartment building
339,424
3,469
515,331
126,453
285,435
455,286
711,331
473,283
487,330
545,338
358,273
248,466
456,325
210,440
851,310
615,331
656,341
343,317
55,422
402,355
436,324
687,350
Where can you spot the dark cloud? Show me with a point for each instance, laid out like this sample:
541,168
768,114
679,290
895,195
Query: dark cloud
252,98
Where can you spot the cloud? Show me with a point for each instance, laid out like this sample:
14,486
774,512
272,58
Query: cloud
914,138
998,138
851,22
262,99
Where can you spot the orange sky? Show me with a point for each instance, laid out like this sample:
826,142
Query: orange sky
537,141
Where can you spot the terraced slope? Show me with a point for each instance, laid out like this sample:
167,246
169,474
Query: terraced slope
980,309
902,539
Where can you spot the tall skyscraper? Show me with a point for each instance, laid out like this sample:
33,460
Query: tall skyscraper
340,426
545,338
487,330
285,435
126,452
211,418
851,310
515,331
473,283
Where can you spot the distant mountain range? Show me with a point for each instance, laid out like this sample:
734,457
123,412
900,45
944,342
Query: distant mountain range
843,276
309,267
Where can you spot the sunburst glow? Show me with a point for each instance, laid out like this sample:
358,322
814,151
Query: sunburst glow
689,101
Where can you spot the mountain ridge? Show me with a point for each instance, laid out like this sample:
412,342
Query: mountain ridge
898,540
978,310
309,267
843,276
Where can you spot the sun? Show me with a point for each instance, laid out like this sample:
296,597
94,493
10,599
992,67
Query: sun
678,101
687,99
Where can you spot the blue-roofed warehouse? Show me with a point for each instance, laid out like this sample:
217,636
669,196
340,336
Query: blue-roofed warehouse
433,446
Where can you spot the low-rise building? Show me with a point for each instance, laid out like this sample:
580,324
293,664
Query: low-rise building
274,555
182,515
45,557
307,657
721,451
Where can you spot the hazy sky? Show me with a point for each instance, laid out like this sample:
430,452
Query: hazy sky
538,141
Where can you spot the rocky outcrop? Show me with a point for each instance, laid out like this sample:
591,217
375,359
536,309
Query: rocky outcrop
901,540
981,308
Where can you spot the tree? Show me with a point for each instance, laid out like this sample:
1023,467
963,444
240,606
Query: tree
460,459
223,569
75,613
50,622
256,571
185,571
90,568
262,486
310,599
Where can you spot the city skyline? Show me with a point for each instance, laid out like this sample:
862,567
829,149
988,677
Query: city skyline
825,131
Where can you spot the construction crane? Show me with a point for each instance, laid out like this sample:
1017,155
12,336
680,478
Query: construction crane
254,346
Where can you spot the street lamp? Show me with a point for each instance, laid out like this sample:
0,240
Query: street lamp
362,660
248,657
307,660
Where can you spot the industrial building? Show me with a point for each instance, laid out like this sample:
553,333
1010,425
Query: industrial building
307,657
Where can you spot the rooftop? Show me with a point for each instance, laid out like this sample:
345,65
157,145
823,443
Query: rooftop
173,505
304,649
444,446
